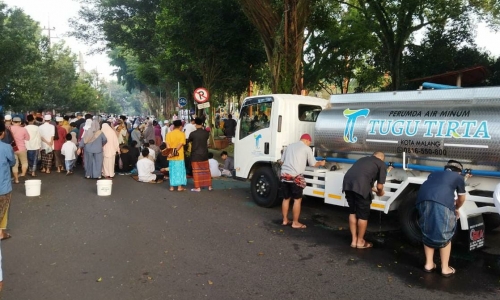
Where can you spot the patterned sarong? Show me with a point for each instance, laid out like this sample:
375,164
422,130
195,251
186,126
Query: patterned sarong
201,174
4,209
177,172
47,159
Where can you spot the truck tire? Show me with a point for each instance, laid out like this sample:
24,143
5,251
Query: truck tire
408,218
491,222
264,187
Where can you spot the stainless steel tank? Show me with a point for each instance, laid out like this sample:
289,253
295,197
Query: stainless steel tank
429,126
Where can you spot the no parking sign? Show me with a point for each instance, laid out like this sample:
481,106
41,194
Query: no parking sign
201,95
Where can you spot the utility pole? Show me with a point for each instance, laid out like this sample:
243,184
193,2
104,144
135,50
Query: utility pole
49,30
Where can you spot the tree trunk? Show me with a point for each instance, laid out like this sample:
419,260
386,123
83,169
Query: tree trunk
282,32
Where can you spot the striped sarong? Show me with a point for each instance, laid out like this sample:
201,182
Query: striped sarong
177,172
201,174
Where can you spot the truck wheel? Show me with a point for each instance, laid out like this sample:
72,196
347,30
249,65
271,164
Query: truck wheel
491,222
264,187
408,218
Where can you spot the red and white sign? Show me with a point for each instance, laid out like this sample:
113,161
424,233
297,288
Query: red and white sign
201,95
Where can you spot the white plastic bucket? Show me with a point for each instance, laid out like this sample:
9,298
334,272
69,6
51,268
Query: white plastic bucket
104,187
33,187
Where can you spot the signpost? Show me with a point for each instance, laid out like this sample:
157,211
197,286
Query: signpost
182,102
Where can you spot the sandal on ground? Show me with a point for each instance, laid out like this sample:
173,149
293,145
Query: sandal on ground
299,227
449,274
210,188
286,224
171,189
196,190
5,236
430,270
181,190
354,246
366,245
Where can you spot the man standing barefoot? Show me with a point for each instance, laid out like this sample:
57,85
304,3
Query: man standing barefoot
294,161
358,185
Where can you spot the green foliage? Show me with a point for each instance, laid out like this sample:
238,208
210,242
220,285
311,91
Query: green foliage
35,75
339,50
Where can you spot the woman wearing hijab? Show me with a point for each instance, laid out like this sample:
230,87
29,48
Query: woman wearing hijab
177,169
121,132
157,130
149,132
92,143
109,150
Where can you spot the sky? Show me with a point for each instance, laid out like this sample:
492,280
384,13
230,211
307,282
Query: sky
55,14
58,12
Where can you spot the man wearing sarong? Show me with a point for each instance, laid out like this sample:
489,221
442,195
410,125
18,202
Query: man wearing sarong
47,134
294,160
177,170
7,161
199,157
438,211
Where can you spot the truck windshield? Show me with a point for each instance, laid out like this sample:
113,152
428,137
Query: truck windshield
254,116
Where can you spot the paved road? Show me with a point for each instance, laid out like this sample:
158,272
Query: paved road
145,242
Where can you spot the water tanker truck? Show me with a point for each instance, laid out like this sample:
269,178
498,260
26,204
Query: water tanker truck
419,131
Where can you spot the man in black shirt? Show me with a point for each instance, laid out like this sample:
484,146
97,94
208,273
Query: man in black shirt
125,161
358,187
199,157
230,126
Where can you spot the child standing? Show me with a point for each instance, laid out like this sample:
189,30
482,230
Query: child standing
69,152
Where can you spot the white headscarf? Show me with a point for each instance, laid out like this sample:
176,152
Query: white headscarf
89,133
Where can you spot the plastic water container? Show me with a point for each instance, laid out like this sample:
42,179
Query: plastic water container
33,187
104,187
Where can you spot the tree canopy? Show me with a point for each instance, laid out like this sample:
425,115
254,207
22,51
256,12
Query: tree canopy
329,45
36,74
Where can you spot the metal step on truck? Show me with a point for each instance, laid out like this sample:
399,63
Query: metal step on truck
417,130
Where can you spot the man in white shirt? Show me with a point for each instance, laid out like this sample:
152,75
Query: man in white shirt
214,165
145,169
33,145
164,131
189,128
47,133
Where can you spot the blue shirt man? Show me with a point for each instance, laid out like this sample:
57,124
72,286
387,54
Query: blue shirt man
7,161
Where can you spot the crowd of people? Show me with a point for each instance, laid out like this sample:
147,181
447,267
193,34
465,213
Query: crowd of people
105,146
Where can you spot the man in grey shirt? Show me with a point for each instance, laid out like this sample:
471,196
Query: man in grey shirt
228,167
294,161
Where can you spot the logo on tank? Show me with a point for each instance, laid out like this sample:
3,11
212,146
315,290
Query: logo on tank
458,129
